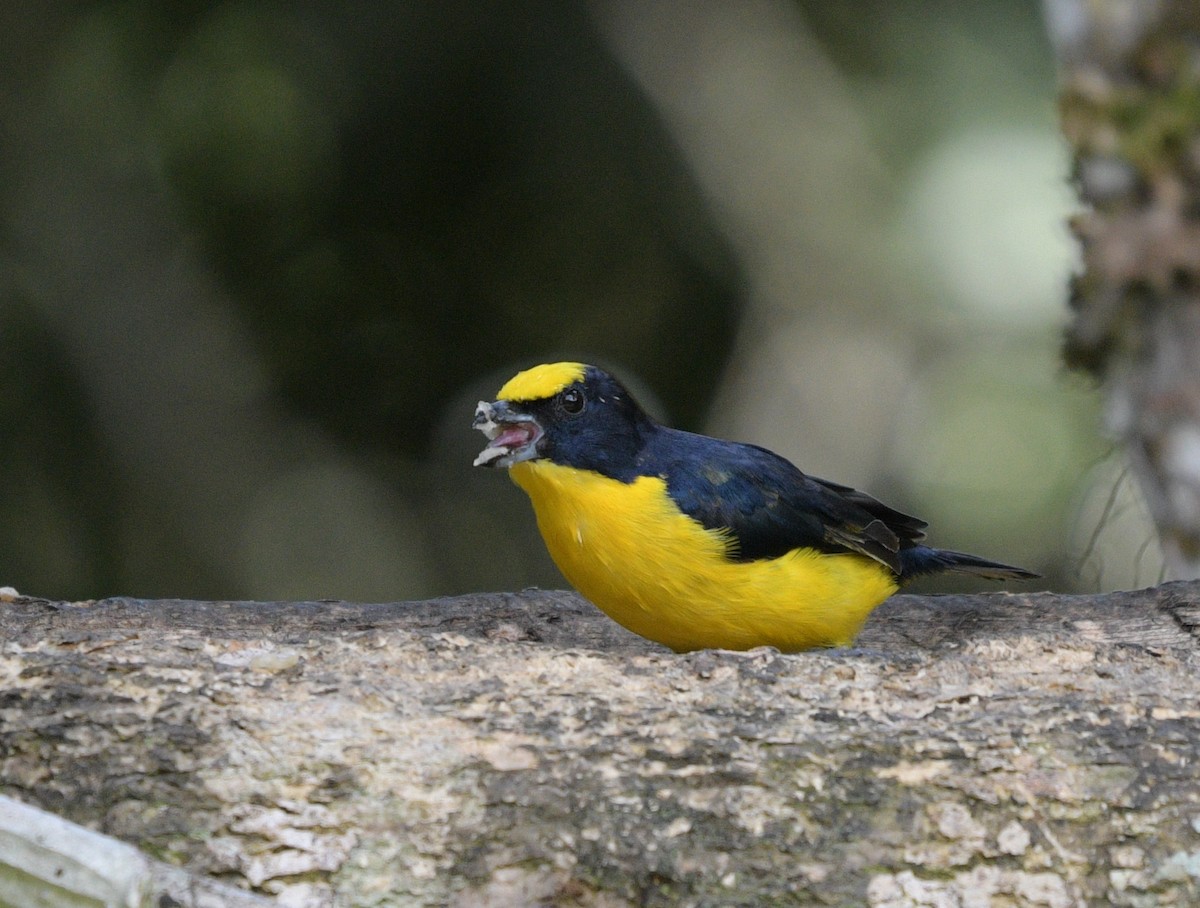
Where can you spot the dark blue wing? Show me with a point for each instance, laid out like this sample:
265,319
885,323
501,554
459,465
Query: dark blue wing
768,506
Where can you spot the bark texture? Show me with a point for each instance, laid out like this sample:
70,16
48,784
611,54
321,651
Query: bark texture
1130,102
520,749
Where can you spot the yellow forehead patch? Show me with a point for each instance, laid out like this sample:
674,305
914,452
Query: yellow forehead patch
541,381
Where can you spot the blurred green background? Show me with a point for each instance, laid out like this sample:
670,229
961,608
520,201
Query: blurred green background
259,260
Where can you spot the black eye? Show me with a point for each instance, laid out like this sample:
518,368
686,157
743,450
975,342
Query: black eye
572,401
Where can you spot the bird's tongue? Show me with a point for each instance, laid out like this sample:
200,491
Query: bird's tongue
513,436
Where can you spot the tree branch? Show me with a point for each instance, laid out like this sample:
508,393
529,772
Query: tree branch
507,749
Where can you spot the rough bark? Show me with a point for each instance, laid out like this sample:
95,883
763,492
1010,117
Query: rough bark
520,749
1130,102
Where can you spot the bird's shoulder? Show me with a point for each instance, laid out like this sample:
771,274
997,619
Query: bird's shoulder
767,505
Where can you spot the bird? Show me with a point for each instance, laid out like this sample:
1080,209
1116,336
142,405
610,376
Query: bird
696,542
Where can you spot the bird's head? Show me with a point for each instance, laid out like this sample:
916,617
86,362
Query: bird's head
568,413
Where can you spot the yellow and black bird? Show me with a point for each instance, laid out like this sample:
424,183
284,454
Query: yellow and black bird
692,541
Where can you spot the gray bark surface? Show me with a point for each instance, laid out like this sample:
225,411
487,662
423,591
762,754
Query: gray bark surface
521,749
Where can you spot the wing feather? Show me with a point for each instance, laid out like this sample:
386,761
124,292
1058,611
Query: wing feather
768,507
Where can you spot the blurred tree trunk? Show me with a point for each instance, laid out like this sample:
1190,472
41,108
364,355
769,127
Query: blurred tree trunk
1130,105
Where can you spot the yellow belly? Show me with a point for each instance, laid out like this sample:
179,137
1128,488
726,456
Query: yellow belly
658,572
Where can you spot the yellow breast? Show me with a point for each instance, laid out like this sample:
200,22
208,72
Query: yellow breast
658,572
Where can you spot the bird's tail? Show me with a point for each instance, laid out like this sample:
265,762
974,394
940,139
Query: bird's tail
921,559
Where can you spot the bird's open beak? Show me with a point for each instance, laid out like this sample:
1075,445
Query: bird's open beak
512,436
